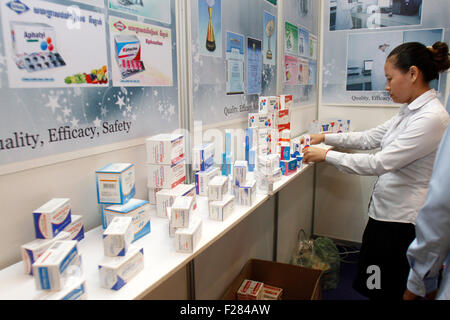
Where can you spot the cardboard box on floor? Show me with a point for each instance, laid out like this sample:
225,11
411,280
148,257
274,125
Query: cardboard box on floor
298,283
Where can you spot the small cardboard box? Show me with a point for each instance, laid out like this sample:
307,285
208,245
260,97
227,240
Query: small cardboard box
298,283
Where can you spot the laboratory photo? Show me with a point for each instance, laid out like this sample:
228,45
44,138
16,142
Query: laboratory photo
367,53
374,14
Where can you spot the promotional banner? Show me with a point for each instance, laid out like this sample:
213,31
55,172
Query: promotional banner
152,9
46,45
210,28
291,39
254,66
303,42
141,54
303,73
235,63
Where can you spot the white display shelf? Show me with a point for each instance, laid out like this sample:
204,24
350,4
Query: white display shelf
160,258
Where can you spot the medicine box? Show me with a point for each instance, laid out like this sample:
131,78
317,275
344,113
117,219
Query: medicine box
203,157
240,172
75,290
288,167
285,151
181,212
247,193
202,179
118,236
52,218
268,104
165,149
152,195
117,272
52,265
259,120
166,197
272,293
75,228
221,210
250,290
217,188
29,38
166,176
172,229
31,251
187,239
285,102
116,183
268,163
138,210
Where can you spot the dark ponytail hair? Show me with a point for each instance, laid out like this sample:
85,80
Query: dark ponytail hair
430,60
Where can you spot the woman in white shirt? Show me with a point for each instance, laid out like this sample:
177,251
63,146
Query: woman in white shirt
404,165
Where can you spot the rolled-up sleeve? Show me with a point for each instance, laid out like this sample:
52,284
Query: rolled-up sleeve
416,141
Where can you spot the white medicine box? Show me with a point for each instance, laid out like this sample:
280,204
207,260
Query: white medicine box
51,218
116,183
118,236
165,149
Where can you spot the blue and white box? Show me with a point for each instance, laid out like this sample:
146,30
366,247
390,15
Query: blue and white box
247,193
73,291
52,218
217,188
202,179
51,267
165,149
203,157
116,272
75,228
240,170
116,183
166,197
138,210
118,236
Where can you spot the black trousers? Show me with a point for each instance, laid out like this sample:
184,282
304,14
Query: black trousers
383,267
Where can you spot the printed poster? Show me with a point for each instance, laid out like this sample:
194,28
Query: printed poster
303,66
290,70
49,47
210,28
290,39
95,3
269,39
235,63
152,9
141,54
303,42
312,73
254,66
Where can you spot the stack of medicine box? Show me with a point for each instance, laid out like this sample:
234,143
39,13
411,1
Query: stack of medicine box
184,225
227,156
165,163
121,261
220,202
116,188
53,221
244,189
203,166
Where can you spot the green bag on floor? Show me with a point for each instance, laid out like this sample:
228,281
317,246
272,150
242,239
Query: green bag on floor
321,254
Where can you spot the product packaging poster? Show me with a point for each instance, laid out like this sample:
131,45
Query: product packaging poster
210,28
254,66
235,63
141,54
96,3
303,67
269,39
303,42
313,47
158,10
46,45
312,73
290,70
290,39
374,14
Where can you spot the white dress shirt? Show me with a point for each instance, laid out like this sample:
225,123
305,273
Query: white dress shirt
404,165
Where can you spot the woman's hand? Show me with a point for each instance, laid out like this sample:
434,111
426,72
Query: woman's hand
313,154
315,139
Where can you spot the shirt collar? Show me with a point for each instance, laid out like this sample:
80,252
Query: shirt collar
422,100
